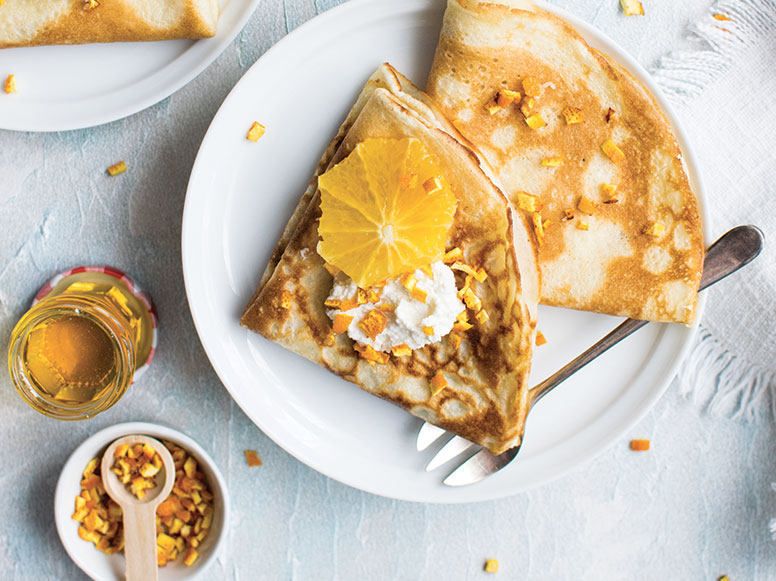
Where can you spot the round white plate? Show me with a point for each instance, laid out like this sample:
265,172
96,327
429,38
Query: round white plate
239,198
71,87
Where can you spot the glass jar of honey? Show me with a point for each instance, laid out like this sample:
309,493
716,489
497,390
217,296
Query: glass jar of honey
89,334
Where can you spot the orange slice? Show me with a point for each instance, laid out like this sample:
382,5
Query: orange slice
376,223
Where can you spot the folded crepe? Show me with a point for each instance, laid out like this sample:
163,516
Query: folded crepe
634,245
486,397
41,22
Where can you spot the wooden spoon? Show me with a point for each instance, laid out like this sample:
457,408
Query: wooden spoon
139,514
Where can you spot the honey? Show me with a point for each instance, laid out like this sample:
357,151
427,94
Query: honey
69,358
78,349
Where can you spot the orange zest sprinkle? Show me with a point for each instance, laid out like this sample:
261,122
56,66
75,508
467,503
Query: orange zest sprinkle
408,281
432,185
573,115
612,151
117,168
371,355
722,17
401,350
452,255
349,304
531,87
528,202
438,383
256,131
419,294
552,162
252,458
10,84
341,323
373,324
586,206
471,300
428,330
373,295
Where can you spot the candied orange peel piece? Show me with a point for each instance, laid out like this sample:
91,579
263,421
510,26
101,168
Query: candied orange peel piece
10,84
401,350
371,355
452,255
535,121
373,323
491,566
117,168
587,206
252,458
632,8
610,193
639,445
531,87
540,339
256,132
612,151
528,202
573,115
552,162
582,225
341,323
438,383
538,226
505,97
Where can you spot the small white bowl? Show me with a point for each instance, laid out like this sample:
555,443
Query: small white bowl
97,564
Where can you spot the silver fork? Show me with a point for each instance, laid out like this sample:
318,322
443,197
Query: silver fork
735,249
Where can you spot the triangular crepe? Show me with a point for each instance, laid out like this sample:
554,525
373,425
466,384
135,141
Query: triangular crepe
486,400
43,22
639,256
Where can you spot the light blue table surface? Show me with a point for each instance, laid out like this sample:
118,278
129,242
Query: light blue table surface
695,507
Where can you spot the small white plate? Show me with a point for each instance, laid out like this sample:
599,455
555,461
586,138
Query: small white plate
239,198
97,564
71,87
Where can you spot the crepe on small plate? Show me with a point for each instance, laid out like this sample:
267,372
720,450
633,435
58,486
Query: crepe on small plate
45,22
620,231
486,400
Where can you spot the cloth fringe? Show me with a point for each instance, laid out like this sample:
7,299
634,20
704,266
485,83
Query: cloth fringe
725,384
684,75
712,376
772,523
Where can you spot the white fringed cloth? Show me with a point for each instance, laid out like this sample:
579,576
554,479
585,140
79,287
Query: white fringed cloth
725,95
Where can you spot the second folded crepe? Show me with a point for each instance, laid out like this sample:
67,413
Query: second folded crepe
583,147
43,22
473,381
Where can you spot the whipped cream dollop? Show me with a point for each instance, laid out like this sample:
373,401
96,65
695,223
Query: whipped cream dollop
406,316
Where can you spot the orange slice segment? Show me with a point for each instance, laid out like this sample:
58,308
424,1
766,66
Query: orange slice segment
375,223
